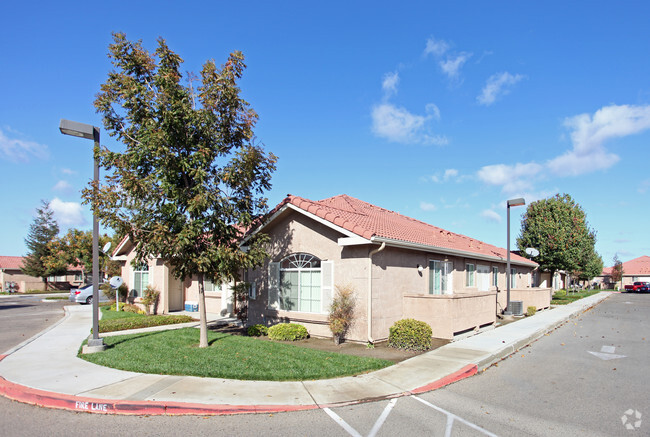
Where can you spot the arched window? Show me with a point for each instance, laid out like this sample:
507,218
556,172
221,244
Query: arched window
140,279
300,283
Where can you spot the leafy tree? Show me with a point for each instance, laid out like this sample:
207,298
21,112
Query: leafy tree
42,231
617,270
558,228
75,249
191,177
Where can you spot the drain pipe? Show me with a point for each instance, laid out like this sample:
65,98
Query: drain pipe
372,252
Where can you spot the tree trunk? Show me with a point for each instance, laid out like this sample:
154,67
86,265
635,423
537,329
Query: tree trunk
203,342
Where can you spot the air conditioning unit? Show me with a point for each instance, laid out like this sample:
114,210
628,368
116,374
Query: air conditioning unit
517,307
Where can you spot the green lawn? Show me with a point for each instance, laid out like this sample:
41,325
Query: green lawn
561,297
122,320
176,352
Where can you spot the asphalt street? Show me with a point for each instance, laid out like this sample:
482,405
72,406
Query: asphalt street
580,379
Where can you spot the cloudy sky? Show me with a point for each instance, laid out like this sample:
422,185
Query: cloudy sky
441,111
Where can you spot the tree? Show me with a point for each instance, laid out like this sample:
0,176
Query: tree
191,177
42,231
76,249
617,271
558,228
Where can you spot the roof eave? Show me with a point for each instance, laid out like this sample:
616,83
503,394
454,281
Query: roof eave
447,251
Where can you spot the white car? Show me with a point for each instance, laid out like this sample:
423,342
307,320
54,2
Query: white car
85,295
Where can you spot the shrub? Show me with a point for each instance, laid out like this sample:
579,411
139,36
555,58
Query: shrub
341,312
410,334
530,311
257,330
150,297
141,322
128,308
288,332
109,292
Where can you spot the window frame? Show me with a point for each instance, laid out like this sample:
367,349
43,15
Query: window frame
470,275
446,285
138,272
301,265
495,276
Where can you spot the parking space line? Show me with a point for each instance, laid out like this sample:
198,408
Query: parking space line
451,417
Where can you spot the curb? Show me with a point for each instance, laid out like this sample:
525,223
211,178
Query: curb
60,401
43,332
48,399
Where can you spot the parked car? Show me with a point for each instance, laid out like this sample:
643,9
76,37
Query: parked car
85,295
636,286
645,288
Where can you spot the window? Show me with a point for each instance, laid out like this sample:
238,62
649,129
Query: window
300,283
470,277
483,277
140,279
440,279
78,277
513,277
495,276
208,286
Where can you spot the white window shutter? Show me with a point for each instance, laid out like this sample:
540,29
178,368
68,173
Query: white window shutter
327,285
274,285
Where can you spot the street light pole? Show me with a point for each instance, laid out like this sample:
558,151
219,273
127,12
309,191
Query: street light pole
89,132
512,202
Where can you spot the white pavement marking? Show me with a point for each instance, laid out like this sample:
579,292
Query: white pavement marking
382,418
607,353
353,432
451,417
384,415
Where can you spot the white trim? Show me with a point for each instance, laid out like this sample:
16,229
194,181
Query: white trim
353,241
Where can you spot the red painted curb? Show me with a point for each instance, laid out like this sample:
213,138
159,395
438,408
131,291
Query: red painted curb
106,406
465,372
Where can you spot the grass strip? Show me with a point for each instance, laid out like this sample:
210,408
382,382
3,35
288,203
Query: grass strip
561,297
176,352
123,320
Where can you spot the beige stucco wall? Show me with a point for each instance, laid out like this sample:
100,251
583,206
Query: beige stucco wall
398,289
538,297
451,314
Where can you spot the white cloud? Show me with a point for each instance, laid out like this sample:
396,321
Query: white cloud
451,67
62,186
450,173
389,84
68,171
588,133
436,47
15,150
67,213
491,216
399,125
512,178
496,86
426,206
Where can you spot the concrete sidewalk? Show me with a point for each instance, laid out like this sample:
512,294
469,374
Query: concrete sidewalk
46,371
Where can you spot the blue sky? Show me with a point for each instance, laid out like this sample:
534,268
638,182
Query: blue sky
438,110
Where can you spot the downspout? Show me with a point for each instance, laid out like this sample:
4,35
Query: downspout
372,252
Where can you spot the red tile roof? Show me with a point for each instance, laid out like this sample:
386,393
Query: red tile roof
368,221
636,267
11,262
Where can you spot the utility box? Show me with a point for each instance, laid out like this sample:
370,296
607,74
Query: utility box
191,306
517,307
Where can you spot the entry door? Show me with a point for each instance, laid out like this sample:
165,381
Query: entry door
483,273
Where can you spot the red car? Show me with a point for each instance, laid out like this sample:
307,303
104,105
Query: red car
637,286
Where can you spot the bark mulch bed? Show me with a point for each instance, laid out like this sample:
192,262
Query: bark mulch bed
380,350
